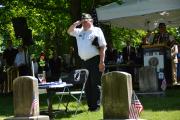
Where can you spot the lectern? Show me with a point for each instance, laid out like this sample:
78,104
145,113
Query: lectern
159,56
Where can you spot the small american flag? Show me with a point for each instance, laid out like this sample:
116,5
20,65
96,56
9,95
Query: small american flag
34,104
163,84
136,107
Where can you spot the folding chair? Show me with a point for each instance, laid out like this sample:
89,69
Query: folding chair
78,79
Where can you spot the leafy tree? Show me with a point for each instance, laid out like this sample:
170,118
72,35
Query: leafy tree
48,21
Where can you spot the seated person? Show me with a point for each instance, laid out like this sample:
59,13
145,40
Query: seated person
129,53
43,65
111,54
111,57
55,65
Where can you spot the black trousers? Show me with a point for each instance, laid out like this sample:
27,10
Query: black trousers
92,89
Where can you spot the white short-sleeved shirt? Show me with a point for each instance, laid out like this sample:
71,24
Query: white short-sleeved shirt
84,41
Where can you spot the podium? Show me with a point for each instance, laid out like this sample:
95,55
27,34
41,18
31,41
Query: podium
159,56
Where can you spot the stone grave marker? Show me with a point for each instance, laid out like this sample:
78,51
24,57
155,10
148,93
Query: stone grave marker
26,99
116,95
148,79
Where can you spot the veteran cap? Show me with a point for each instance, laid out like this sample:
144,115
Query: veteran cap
86,16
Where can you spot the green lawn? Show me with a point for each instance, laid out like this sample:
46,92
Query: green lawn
155,108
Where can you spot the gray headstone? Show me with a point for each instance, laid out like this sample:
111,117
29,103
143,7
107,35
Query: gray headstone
148,79
116,93
25,96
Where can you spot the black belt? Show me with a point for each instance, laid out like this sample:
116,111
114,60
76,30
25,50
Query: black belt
92,59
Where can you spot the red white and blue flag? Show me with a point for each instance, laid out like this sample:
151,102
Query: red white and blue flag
34,104
136,107
163,84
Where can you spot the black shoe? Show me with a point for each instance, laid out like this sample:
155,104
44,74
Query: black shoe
94,109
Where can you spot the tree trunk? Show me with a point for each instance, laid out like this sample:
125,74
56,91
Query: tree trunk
75,8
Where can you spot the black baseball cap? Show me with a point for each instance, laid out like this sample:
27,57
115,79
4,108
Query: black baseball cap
86,16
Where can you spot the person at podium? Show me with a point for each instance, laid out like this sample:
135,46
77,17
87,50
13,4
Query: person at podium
162,36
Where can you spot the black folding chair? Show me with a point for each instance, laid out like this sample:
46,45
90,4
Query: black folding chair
78,79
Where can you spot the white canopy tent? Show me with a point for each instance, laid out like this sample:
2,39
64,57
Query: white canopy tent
1,6
141,14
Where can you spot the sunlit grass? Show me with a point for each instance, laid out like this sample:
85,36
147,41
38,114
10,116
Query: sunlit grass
161,115
155,108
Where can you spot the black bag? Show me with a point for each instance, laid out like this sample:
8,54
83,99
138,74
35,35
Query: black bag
95,42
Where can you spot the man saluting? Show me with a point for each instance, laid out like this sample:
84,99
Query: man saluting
91,49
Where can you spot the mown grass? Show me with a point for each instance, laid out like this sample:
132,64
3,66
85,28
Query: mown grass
155,108
162,107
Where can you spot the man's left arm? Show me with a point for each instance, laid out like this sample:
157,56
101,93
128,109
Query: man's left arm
102,49
102,58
